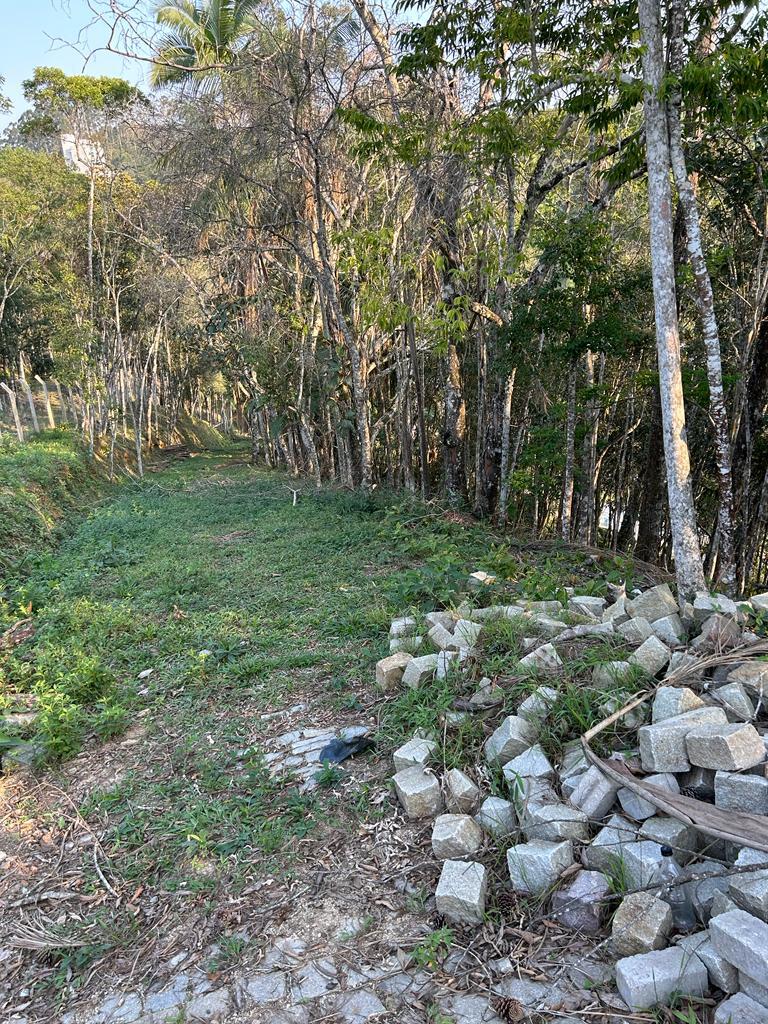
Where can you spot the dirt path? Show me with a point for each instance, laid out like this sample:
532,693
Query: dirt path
175,872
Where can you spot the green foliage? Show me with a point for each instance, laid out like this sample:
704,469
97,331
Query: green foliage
433,949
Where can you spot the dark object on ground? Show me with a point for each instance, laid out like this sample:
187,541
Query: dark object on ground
340,749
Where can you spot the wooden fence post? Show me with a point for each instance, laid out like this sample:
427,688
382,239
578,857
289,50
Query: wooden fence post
62,404
31,402
14,410
47,399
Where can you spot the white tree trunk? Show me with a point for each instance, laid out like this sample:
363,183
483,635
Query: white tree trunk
682,514
570,456
706,307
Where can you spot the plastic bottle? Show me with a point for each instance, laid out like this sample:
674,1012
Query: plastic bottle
683,914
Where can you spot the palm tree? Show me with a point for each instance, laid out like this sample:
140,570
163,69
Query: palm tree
203,38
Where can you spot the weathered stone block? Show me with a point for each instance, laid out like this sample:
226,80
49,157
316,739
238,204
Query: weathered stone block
594,794
580,604
742,940
535,867
638,808
616,613
705,605
739,792
753,676
403,626
419,793
512,737
682,660
497,816
537,705
455,836
671,701
635,631
653,604
581,905
642,923
740,1009
532,763
653,979
721,974
609,673
461,892
684,839
606,851
750,889
730,747
449,661
662,746
554,822
736,701
651,656
670,630
419,670
702,891
754,989
718,633
443,638
444,619
406,644
543,661
467,632
389,671
414,752
461,794
641,863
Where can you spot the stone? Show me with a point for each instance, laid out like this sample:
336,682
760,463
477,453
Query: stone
444,619
638,808
749,890
532,763
759,602
405,644
642,923
595,794
740,1009
753,676
209,1006
543,661
389,671
662,745
754,989
729,747
651,656
554,822
535,867
606,851
359,1006
419,670
635,631
537,705
461,892
739,792
497,816
414,752
705,605
670,630
718,633
670,701
404,626
666,831
314,980
606,675
702,891
641,863
699,783
455,836
419,793
467,632
512,737
682,661
736,701
654,979
742,940
616,613
581,905
443,638
653,604
446,662
487,697
461,794
462,1008
721,974
721,904
581,604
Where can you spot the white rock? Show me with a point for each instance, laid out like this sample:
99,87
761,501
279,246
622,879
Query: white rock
636,631
532,763
462,795
455,836
414,752
403,626
670,630
419,671
670,701
419,793
651,656
461,892
467,632
544,660
512,737
638,808
653,604
535,867
497,816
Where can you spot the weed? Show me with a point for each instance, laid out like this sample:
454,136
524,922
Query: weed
433,949
328,776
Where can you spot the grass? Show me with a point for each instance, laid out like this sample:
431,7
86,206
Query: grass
240,604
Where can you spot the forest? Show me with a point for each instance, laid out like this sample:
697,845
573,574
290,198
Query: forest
509,257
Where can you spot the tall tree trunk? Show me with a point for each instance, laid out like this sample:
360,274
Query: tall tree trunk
570,456
705,302
682,513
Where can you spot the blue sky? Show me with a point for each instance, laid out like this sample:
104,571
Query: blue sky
26,43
